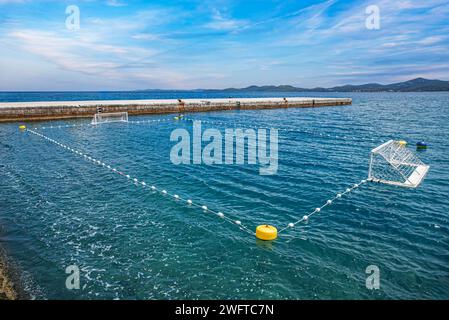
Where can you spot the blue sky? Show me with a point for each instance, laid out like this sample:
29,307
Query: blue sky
127,45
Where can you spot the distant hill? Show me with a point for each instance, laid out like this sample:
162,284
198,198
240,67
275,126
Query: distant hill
415,85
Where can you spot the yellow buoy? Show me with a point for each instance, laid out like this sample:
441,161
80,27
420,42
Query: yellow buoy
22,127
402,143
266,232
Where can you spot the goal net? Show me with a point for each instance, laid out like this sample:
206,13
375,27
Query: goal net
100,118
392,163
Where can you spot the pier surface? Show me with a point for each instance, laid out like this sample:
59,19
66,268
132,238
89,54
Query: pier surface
27,111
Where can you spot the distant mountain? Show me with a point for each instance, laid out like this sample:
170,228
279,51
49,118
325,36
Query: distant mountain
415,85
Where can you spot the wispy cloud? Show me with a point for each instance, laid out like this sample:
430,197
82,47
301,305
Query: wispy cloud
146,36
86,55
221,44
220,22
115,3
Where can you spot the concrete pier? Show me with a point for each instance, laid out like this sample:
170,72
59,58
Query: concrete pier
28,111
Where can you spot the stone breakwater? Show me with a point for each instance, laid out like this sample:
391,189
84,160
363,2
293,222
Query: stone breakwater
29,111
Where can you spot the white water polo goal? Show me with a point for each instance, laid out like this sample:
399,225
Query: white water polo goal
100,118
393,163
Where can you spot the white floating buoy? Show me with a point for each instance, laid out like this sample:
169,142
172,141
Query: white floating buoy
348,190
356,185
237,222
176,196
153,188
143,183
189,201
128,176
291,225
317,210
220,214
363,181
204,208
135,180
164,191
305,218
329,201
338,195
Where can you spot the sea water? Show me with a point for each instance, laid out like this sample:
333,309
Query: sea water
57,210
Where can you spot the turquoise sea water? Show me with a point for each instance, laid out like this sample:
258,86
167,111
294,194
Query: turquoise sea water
59,210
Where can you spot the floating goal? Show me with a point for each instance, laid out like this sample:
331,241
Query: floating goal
392,163
100,118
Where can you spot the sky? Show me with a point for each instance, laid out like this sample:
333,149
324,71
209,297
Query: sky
173,44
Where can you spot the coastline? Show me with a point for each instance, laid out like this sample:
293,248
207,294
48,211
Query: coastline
8,288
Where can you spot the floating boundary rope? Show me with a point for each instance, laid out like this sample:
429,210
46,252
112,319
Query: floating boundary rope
143,184
186,119
329,202
310,132
189,202
90,124
306,217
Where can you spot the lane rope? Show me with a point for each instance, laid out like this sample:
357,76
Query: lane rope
141,183
310,132
305,218
329,202
221,123
91,125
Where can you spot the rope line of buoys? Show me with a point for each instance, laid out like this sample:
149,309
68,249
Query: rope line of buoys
221,123
62,126
263,232
90,124
329,202
150,121
310,132
143,184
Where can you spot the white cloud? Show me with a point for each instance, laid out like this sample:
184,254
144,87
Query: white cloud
430,40
219,22
164,47
115,3
83,56
146,36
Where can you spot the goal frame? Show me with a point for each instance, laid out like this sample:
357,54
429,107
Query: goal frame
411,178
115,117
